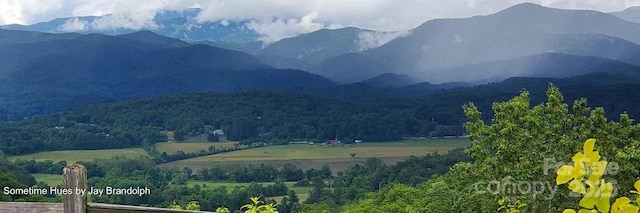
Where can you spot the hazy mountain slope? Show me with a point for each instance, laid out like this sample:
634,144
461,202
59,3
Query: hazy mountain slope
524,20
250,47
551,65
317,46
517,31
630,14
150,37
391,80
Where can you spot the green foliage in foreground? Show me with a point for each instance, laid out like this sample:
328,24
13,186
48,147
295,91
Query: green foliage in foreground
522,144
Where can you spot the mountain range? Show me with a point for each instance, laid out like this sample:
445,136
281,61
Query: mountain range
56,67
43,72
630,14
519,31
181,25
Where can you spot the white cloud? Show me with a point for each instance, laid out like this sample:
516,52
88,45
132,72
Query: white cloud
74,24
276,19
26,11
126,14
224,22
371,39
276,29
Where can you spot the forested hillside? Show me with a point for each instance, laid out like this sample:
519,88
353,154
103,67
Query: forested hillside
345,112
243,116
43,73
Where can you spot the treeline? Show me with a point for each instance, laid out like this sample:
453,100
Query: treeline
168,185
260,173
42,167
57,132
243,116
164,157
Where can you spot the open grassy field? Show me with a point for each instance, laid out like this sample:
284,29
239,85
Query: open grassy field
302,192
51,180
173,147
191,144
315,156
72,156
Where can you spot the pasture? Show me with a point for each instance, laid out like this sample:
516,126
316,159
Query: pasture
339,158
72,156
173,147
49,179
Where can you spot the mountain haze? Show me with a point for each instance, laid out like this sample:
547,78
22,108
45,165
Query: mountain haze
630,14
519,31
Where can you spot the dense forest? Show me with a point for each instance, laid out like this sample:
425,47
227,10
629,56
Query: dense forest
242,116
346,112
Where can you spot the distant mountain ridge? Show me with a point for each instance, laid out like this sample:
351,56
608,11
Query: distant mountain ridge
518,31
630,14
174,24
391,80
140,64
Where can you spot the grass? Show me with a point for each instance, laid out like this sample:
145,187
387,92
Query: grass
364,150
49,179
302,192
191,144
173,147
72,156
315,156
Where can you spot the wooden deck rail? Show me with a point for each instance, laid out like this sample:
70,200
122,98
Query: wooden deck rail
75,177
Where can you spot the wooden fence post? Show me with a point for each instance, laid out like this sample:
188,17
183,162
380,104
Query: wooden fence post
74,178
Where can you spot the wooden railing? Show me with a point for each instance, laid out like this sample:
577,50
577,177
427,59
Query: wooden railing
75,177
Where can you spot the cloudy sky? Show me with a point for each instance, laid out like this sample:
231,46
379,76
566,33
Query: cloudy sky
283,18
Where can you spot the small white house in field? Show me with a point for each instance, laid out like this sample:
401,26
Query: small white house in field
218,132
357,141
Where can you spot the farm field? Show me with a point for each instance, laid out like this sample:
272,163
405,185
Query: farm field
173,147
191,144
202,138
315,156
49,179
72,156
302,192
